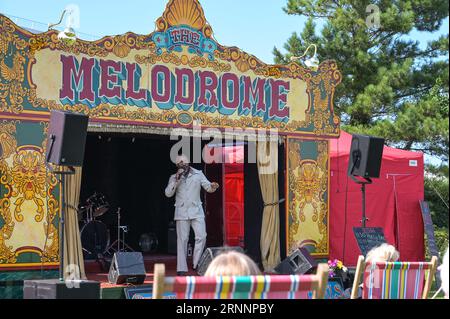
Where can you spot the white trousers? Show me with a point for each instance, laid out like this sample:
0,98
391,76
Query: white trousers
183,230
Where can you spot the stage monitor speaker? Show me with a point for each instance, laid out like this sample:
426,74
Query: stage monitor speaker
365,156
127,268
56,289
209,254
66,138
299,262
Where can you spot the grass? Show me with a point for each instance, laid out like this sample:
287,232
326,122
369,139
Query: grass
433,290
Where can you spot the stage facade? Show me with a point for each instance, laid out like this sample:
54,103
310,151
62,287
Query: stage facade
176,77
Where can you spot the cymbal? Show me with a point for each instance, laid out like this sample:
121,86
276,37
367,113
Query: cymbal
100,211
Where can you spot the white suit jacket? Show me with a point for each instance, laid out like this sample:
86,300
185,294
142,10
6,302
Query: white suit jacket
188,204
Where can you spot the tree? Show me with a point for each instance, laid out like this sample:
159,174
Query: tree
436,194
391,86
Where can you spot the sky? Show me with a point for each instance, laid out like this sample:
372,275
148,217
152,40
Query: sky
255,26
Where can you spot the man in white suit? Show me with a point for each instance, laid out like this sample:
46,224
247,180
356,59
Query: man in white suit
187,184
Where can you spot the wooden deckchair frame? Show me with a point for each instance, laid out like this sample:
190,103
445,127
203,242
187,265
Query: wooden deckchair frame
361,266
163,284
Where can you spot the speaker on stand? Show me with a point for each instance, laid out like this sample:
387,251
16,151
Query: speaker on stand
66,138
365,158
65,148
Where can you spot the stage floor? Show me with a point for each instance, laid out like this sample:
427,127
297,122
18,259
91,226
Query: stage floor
95,272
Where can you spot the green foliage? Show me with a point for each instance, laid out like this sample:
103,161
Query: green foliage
391,86
441,237
441,240
436,194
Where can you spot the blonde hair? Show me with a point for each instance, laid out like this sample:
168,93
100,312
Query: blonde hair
232,263
383,253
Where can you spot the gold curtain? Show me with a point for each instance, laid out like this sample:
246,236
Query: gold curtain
73,253
268,178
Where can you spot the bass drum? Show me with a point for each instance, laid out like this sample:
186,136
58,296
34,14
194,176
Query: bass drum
94,237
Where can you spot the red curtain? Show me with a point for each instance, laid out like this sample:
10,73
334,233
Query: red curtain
234,196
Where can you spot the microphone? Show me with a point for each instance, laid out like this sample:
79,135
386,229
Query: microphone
180,173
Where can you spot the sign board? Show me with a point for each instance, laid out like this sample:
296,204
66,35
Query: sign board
429,228
177,76
369,238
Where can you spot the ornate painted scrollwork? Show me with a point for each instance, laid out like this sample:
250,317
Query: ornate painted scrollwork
308,186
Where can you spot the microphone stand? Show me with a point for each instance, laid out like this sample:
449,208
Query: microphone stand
118,240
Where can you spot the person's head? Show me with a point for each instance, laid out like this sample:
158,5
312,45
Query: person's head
443,269
232,263
182,161
383,253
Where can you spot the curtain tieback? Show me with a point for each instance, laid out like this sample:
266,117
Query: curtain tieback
276,203
72,207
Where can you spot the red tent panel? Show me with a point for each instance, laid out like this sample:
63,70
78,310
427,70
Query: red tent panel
392,202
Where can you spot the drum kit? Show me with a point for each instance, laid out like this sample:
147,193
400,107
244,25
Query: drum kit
95,235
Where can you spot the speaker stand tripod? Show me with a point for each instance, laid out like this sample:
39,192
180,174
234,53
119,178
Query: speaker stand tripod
63,173
363,183
120,242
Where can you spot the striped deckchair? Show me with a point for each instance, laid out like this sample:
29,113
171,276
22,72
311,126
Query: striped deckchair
248,287
394,280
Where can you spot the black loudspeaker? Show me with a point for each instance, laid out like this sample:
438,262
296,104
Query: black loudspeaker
127,268
365,156
298,263
209,254
56,289
66,138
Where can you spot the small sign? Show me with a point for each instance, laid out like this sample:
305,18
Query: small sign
144,292
413,163
429,228
369,238
335,290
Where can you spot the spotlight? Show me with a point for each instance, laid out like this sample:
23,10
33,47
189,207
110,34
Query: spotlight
68,36
311,63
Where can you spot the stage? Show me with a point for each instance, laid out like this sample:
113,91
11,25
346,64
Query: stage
94,272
